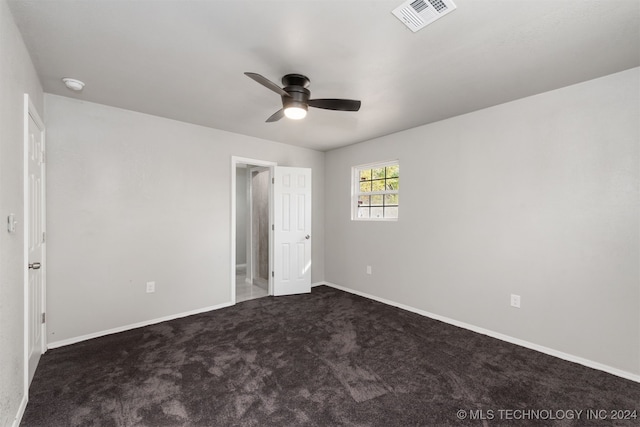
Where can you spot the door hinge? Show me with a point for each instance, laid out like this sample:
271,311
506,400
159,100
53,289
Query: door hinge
44,318
273,274
273,180
42,157
44,238
273,227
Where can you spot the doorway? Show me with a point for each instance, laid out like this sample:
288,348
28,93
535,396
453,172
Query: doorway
251,240
252,232
288,247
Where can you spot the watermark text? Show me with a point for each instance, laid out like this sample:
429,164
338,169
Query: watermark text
547,414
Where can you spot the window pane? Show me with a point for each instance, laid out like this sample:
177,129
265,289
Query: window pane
377,212
391,199
375,189
378,185
392,171
391,212
392,184
365,187
363,212
378,173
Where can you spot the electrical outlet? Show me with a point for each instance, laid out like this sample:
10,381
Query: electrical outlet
515,301
368,269
151,287
11,223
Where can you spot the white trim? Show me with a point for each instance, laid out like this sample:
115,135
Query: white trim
241,265
522,343
81,338
382,164
23,405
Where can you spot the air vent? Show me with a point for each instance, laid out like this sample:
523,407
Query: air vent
417,14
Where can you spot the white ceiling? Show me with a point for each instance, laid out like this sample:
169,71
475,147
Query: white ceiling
185,59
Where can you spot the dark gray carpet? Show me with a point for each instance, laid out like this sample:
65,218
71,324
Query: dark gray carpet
328,358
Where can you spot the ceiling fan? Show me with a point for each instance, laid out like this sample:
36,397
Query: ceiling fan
295,97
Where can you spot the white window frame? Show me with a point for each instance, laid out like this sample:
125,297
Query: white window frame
355,189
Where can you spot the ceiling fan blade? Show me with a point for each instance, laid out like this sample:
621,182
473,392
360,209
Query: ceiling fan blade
335,104
276,116
267,83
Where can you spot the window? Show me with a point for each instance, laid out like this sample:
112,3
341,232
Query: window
375,191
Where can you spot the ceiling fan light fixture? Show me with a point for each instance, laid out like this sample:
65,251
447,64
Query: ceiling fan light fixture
295,112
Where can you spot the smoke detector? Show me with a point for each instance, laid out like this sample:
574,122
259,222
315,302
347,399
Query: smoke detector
417,14
73,84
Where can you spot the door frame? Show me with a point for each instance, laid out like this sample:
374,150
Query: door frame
30,111
235,160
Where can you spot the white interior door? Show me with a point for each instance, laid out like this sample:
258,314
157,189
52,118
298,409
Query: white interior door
35,241
292,230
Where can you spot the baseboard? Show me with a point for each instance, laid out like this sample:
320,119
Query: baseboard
522,343
241,266
313,285
74,340
23,405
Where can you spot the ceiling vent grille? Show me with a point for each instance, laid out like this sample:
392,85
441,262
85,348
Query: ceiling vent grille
417,14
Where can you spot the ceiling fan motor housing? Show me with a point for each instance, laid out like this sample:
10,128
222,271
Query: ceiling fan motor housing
296,80
296,86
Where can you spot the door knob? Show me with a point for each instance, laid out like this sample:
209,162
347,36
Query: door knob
307,237
35,266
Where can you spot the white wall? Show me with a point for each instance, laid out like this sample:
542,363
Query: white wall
135,198
17,77
537,197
